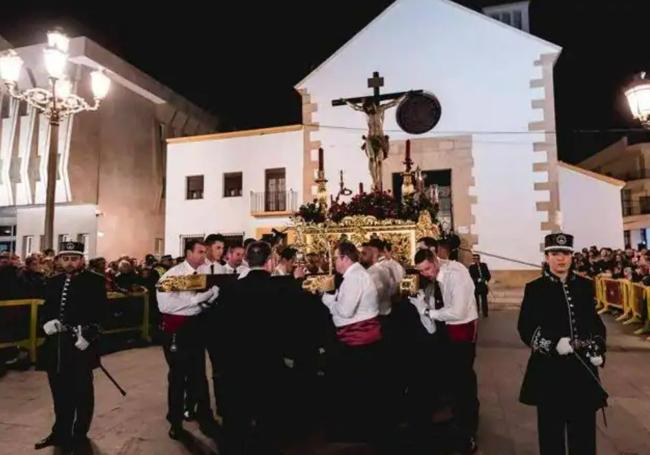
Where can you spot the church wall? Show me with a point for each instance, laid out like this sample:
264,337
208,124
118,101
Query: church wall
481,71
250,155
597,223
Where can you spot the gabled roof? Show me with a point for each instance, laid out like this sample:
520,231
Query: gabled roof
594,175
519,34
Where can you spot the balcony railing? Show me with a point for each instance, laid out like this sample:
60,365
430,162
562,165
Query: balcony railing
632,209
274,203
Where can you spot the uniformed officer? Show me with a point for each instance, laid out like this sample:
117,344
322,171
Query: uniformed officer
75,305
558,320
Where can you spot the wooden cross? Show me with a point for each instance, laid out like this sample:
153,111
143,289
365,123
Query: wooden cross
375,83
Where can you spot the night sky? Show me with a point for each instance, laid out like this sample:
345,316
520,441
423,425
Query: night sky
240,60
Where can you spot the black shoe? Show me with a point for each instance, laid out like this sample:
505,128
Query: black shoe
177,432
49,441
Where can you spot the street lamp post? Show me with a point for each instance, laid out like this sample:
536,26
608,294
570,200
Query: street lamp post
638,99
56,102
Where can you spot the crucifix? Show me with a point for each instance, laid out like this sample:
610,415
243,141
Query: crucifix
376,143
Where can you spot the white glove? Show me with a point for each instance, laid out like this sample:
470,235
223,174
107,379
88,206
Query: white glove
564,346
418,302
596,360
52,327
81,344
428,324
201,297
215,294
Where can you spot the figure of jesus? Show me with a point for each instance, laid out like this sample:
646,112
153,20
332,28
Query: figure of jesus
376,142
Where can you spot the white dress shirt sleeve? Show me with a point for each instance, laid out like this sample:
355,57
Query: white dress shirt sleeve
457,295
346,301
184,303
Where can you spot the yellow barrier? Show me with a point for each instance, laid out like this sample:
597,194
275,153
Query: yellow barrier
612,295
144,327
626,296
633,309
34,341
646,326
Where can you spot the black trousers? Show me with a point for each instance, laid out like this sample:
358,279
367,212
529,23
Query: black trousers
252,411
558,427
482,301
186,375
74,400
356,386
464,386
426,376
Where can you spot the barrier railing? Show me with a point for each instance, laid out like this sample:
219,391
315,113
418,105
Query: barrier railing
612,294
632,299
30,343
112,326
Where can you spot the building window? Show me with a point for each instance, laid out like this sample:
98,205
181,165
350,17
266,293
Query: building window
437,185
644,205
85,239
626,199
513,14
28,245
159,247
517,19
187,238
194,187
275,197
7,231
232,184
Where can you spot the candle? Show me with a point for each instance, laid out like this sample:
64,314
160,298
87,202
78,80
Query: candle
408,150
320,159
360,187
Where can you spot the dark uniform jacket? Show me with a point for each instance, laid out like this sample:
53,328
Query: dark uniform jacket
262,320
77,300
484,276
552,310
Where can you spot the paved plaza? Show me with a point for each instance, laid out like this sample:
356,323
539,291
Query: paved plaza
136,424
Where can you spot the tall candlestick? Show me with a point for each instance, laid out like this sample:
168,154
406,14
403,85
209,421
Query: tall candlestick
360,187
320,159
408,150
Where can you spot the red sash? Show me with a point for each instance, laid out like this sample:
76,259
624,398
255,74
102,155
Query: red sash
360,333
463,332
171,323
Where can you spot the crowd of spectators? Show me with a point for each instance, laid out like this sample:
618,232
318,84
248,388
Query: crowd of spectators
631,264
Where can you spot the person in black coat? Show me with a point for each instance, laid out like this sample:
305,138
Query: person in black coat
558,320
255,324
481,277
75,305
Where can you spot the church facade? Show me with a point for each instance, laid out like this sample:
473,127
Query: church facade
493,150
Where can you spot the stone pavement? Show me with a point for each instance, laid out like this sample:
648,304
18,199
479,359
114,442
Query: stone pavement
136,425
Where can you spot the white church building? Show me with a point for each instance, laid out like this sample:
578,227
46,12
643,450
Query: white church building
493,151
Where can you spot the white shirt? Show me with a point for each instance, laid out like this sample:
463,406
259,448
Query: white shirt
396,272
457,288
211,268
280,271
385,285
355,300
182,303
230,270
